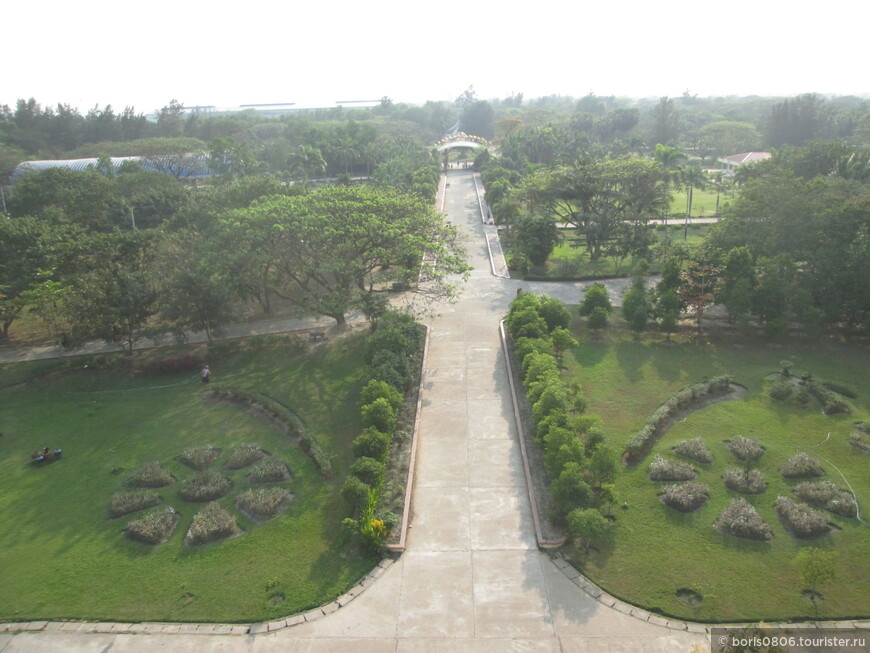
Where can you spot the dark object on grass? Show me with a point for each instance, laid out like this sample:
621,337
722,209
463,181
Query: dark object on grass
45,456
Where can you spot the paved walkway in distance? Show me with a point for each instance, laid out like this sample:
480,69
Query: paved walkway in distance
472,577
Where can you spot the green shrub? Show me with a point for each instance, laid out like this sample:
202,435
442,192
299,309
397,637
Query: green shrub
379,414
150,475
367,470
596,296
598,318
745,481
204,486
269,470
832,403
371,443
570,490
696,449
825,494
800,519
154,527
125,502
781,389
554,312
263,501
536,366
211,523
802,465
553,399
525,346
381,390
662,469
527,323
685,497
199,458
741,519
244,455
355,491
745,449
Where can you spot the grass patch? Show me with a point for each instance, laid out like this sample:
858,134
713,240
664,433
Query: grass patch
655,550
63,556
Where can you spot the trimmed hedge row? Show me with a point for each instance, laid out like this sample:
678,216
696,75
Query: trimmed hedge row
576,455
395,339
642,441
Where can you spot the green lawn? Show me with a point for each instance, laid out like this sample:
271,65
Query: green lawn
570,260
703,202
656,550
61,554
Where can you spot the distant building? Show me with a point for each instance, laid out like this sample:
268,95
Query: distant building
731,163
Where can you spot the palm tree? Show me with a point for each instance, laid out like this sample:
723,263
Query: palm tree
307,161
693,177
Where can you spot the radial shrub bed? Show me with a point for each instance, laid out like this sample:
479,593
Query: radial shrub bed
150,475
199,458
741,519
154,527
685,497
802,465
269,471
825,494
745,481
211,523
800,519
263,503
125,502
244,455
745,449
662,469
696,449
204,486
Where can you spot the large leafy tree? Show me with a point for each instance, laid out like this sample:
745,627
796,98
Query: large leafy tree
330,249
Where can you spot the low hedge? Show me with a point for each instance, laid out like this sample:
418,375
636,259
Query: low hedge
745,481
211,523
696,449
150,475
126,502
685,497
204,486
642,441
662,469
825,494
802,465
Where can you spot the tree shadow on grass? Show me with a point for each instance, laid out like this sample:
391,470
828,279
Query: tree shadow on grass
632,356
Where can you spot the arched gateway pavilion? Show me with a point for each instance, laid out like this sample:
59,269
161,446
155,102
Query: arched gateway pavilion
459,141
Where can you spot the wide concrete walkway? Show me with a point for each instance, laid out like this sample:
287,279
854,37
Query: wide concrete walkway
472,577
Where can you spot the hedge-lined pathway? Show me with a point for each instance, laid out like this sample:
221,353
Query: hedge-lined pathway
472,577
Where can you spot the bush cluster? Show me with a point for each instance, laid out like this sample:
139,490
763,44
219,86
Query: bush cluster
153,527
662,469
150,475
745,449
825,494
696,449
211,523
685,497
269,470
860,439
781,389
832,402
245,454
802,465
741,519
170,365
394,342
204,486
643,440
746,481
800,519
200,457
576,455
127,501
264,501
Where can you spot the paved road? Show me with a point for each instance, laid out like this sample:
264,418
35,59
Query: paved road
472,577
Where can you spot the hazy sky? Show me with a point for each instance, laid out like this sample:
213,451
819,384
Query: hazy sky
89,52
